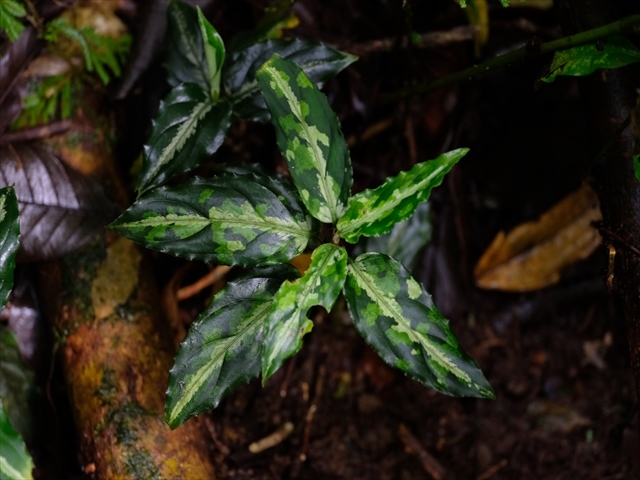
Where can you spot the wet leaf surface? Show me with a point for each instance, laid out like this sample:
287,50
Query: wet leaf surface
9,239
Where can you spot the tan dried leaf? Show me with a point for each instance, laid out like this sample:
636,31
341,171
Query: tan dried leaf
533,255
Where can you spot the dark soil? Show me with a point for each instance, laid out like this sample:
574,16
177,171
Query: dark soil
558,359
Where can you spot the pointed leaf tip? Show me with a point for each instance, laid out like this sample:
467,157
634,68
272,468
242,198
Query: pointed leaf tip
222,350
375,212
396,316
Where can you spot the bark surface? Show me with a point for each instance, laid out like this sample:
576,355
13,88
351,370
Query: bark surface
610,97
115,349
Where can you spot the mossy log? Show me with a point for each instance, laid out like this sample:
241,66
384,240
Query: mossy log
114,347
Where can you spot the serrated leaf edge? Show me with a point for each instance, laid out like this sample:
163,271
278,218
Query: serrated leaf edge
399,196
310,283
330,212
204,373
185,131
392,309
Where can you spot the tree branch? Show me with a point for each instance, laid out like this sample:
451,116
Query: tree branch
530,50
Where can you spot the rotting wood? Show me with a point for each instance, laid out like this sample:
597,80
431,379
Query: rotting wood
114,347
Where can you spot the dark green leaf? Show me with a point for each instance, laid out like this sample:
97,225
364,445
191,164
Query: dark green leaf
309,136
585,59
15,461
17,384
288,321
318,62
374,212
222,350
185,61
214,52
405,240
187,129
9,240
397,317
636,166
230,219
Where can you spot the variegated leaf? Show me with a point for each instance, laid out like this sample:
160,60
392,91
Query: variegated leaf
397,317
229,219
185,60
614,52
222,350
15,461
188,128
374,212
309,137
9,240
214,52
318,62
288,321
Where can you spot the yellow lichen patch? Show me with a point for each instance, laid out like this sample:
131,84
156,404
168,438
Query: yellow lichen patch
116,278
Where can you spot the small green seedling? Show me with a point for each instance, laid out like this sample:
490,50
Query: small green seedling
262,222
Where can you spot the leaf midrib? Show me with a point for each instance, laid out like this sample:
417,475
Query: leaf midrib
382,212
187,220
258,314
322,173
432,351
184,132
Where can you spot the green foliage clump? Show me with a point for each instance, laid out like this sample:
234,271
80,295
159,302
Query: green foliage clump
50,97
102,54
251,219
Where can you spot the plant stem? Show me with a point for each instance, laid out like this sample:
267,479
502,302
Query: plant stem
530,50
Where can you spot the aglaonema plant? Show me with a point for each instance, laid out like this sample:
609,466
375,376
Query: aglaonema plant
260,318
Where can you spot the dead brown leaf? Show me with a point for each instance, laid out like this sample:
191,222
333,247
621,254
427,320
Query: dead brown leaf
533,255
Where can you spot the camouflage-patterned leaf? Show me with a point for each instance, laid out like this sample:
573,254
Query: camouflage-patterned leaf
185,61
288,321
15,461
582,60
397,317
374,212
309,137
188,128
214,52
222,350
9,240
229,219
318,62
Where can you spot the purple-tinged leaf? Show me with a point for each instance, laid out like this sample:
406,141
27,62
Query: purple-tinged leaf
61,210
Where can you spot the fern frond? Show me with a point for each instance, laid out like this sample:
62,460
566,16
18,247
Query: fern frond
10,13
